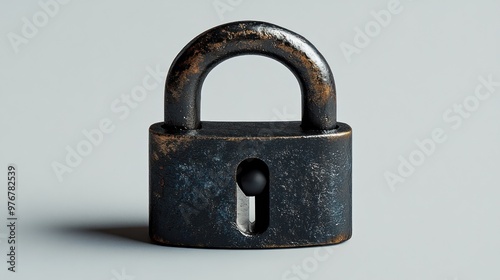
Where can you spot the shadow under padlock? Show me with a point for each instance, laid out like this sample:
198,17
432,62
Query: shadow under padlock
250,184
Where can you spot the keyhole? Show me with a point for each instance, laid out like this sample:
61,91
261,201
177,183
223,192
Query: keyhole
251,180
252,193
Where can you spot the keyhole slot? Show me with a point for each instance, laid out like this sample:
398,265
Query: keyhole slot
252,196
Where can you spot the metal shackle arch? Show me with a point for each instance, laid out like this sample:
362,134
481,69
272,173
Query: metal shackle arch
192,65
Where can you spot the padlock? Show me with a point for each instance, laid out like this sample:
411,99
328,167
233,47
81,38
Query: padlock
250,184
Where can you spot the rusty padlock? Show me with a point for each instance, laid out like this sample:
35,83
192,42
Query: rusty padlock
292,188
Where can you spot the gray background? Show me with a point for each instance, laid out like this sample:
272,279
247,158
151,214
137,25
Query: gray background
442,222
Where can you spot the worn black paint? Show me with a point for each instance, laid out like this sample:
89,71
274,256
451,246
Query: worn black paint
193,164
202,54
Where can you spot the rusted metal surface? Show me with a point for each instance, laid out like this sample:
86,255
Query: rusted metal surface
202,54
193,165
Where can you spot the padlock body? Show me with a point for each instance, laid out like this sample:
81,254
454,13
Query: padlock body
193,188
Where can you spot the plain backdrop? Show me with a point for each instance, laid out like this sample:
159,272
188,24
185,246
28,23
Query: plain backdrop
399,80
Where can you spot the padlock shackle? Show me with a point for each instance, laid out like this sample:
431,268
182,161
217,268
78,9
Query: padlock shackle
192,65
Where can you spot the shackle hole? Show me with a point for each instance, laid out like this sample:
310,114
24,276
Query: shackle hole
250,88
